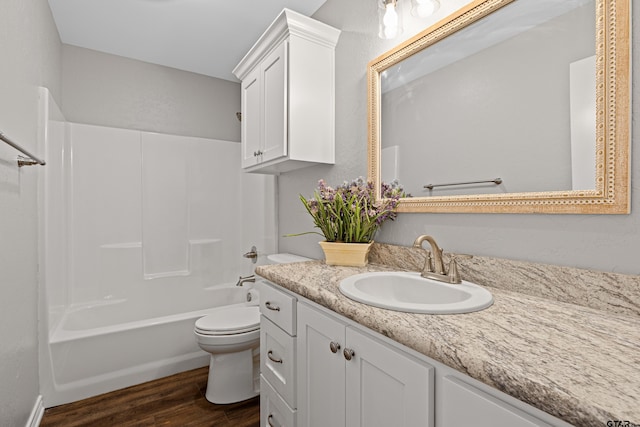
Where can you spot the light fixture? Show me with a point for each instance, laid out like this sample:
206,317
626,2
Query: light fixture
424,8
390,15
389,18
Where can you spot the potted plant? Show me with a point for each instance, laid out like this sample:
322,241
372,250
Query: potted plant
348,217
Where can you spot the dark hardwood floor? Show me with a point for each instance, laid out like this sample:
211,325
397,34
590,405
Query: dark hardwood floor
177,400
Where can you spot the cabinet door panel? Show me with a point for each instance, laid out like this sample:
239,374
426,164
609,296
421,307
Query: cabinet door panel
320,371
274,81
480,408
385,387
251,118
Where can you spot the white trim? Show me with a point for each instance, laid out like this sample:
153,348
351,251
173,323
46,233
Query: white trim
287,23
36,413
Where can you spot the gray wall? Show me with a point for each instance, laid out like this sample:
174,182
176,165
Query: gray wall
93,88
109,90
31,52
600,242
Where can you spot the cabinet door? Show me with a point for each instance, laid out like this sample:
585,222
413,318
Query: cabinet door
251,118
480,408
320,370
275,106
385,387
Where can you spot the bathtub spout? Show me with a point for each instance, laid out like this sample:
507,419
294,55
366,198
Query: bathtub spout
242,280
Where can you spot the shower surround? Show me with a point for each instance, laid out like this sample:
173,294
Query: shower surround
141,234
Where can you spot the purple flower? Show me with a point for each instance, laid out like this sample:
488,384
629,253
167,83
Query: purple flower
350,212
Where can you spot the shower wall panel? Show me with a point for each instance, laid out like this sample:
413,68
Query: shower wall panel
165,206
105,209
150,211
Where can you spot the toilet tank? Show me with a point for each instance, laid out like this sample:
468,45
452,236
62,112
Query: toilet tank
284,258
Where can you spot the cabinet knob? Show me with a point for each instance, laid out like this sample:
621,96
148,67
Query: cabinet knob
273,359
271,306
334,347
348,353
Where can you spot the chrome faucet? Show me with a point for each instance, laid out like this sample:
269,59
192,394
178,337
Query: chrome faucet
242,280
434,266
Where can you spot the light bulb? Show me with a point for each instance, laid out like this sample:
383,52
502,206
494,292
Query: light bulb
390,16
390,32
424,8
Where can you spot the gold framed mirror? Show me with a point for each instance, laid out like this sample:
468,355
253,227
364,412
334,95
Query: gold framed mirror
419,78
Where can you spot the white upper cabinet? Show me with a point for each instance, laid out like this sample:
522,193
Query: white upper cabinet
288,96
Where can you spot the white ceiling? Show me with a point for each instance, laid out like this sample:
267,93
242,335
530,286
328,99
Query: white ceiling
207,37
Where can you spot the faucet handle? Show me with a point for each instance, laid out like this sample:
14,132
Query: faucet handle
252,254
454,274
430,261
428,266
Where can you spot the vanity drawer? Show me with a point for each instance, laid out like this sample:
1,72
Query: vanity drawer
279,307
273,410
278,359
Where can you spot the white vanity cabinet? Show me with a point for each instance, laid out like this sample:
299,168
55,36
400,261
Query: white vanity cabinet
335,372
288,96
277,356
481,409
348,378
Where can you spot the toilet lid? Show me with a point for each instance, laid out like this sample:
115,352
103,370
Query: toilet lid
233,320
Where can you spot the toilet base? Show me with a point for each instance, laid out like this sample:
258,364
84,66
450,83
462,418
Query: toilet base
233,377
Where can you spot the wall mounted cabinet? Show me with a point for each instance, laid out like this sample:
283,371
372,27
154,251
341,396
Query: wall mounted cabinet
288,96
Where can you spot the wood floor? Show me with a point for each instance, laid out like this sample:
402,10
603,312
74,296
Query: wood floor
177,400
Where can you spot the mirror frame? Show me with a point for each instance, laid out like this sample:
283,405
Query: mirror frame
613,110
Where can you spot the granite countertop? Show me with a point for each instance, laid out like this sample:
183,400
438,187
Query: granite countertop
577,363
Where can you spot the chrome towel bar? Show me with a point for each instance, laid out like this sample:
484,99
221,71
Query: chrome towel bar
29,160
496,181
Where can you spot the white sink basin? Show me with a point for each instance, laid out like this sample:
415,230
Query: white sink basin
412,293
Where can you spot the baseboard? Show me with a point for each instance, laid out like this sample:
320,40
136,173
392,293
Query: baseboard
36,413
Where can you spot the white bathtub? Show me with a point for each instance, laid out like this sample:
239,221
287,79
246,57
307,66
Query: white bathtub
107,346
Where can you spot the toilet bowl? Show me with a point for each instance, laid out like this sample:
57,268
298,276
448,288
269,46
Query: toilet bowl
232,336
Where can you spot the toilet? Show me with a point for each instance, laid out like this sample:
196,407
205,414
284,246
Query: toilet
232,336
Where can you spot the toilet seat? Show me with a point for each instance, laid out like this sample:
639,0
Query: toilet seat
230,321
